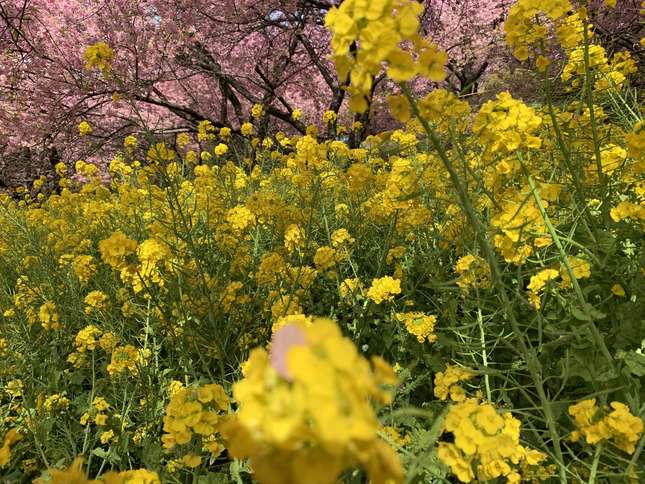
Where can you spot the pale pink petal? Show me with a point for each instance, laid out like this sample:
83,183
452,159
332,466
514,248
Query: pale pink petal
283,340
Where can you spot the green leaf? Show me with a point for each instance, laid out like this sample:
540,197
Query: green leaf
588,313
213,478
606,241
635,362
236,469
595,314
586,364
101,453
579,314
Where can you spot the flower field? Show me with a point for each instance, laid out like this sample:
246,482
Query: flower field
457,300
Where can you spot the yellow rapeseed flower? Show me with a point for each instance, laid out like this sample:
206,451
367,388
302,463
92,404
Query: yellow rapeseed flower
384,289
289,400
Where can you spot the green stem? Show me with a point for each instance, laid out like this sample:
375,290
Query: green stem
92,393
602,178
566,154
637,453
565,260
594,465
527,351
428,443
482,338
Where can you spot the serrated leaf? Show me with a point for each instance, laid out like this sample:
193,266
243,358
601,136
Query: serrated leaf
236,468
579,314
100,453
606,241
594,313
635,362
589,313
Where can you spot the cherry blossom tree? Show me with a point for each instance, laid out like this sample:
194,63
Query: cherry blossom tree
471,33
178,62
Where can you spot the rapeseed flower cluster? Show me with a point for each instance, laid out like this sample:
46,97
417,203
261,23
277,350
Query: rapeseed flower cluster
305,409
99,56
195,414
84,128
48,316
116,248
419,324
115,292
607,74
127,359
524,27
506,124
486,444
55,402
618,425
384,289
473,271
521,228
380,27
446,383
537,284
84,267
87,340
628,210
76,475
10,438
